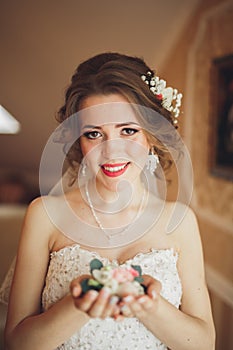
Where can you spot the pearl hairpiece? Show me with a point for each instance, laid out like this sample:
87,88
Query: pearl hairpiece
171,99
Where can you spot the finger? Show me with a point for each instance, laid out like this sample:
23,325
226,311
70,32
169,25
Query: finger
75,287
132,308
100,304
85,303
153,286
153,290
111,308
137,307
119,318
116,311
126,311
145,302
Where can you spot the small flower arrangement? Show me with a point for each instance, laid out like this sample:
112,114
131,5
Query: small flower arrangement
120,280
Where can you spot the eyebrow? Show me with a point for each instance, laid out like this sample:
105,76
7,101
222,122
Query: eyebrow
117,126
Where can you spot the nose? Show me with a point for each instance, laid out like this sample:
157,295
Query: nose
112,148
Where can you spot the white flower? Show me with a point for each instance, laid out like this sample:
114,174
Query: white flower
102,276
113,285
131,288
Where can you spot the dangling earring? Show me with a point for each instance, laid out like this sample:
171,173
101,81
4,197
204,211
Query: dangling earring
83,170
152,161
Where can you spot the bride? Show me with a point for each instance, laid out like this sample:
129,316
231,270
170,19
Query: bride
118,128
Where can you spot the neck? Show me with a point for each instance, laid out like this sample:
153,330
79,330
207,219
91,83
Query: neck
126,197
125,215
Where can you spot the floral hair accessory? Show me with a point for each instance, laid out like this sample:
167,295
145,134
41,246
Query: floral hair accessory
120,280
171,99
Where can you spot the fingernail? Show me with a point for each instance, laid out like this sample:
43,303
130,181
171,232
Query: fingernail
93,294
128,299
125,309
105,292
113,300
154,294
119,318
75,291
142,300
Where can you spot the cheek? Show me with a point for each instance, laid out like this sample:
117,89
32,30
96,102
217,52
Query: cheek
84,149
90,153
138,152
85,146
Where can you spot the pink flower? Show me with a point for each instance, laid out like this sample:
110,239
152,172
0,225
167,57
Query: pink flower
124,275
134,272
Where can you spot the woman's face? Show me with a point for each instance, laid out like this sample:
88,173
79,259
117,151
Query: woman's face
112,142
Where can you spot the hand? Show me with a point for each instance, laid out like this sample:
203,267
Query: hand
139,306
95,304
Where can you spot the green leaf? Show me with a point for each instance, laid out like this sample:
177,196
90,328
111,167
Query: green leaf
137,268
85,286
95,264
97,287
138,279
92,282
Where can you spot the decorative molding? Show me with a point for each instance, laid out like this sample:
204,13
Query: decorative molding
12,211
219,285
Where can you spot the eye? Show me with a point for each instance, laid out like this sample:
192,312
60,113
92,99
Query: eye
92,135
129,131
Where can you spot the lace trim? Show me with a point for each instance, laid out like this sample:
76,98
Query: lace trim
98,255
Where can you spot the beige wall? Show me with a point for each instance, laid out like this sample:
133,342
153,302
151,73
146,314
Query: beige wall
42,42
208,35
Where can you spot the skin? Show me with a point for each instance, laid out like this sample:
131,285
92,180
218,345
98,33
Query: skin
190,327
118,140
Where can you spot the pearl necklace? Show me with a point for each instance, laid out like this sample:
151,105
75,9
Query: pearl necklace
109,236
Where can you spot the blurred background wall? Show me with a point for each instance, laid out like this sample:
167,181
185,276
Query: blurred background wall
42,42
207,38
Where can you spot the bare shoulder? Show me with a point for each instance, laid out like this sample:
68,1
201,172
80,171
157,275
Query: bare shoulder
37,209
188,230
186,237
37,225
179,216
183,224
47,215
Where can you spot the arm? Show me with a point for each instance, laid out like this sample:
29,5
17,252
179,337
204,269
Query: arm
27,327
191,327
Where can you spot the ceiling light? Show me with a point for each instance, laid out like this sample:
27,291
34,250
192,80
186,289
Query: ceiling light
8,124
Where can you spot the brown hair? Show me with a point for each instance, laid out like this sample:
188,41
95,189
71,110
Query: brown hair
109,73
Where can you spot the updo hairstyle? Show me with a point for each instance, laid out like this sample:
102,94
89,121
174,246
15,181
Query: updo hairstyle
114,73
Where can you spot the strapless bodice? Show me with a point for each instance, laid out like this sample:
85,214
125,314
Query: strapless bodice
73,261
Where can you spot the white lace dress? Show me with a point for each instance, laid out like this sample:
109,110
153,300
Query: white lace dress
98,334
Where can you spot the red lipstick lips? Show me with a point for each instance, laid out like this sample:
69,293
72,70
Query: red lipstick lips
114,170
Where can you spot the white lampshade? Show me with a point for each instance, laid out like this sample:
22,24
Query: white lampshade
8,124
